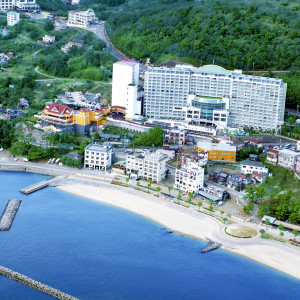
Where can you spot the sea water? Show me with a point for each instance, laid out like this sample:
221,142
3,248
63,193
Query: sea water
96,251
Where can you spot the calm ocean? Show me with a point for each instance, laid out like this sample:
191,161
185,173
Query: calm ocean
95,251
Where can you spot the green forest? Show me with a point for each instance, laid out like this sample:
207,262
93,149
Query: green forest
234,34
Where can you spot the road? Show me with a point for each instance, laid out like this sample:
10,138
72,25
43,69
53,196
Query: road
100,32
239,195
65,79
292,112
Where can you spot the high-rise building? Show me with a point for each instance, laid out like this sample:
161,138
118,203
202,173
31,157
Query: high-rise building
126,91
13,18
211,94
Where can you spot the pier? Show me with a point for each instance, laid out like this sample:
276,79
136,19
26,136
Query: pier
213,245
9,214
42,184
35,284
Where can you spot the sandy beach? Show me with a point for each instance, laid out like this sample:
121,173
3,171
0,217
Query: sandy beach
192,223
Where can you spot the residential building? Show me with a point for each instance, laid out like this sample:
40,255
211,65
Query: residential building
125,87
97,157
79,18
250,167
4,58
255,142
151,166
169,154
298,145
258,178
13,18
49,39
235,181
6,5
23,103
13,114
175,136
219,176
217,152
74,43
74,155
212,95
189,178
287,158
272,156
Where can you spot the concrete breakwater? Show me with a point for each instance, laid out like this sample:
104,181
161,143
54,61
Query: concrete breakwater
42,184
35,284
9,214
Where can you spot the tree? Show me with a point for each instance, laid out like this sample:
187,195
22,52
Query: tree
178,197
158,189
190,201
211,209
295,233
199,204
267,223
138,183
127,180
280,227
191,195
149,185
222,212
170,189
262,231
248,208
281,235
225,220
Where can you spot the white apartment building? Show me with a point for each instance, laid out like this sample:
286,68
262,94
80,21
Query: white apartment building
49,39
6,5
212,95
250,167
13,18
150,166
126,91
79,18
287,158
189,178
97,157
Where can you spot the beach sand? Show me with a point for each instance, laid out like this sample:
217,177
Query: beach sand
192,223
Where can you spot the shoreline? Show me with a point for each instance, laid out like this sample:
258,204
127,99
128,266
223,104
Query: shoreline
191,223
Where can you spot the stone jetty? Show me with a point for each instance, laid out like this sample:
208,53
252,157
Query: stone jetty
35,284
9,214
42,184
213,245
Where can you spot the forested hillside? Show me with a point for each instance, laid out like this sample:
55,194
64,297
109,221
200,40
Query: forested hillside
234,34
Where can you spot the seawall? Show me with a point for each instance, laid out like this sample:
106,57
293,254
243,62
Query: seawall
9,214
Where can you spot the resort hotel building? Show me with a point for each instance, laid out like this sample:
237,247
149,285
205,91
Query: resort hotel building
21,5
79,18
211,95
189,178
151,166
97,157
126,90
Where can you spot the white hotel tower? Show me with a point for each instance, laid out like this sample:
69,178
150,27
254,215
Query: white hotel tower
125,89
213,94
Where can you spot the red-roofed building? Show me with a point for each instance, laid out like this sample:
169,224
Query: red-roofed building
59,115
257,177
255,142
272,156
